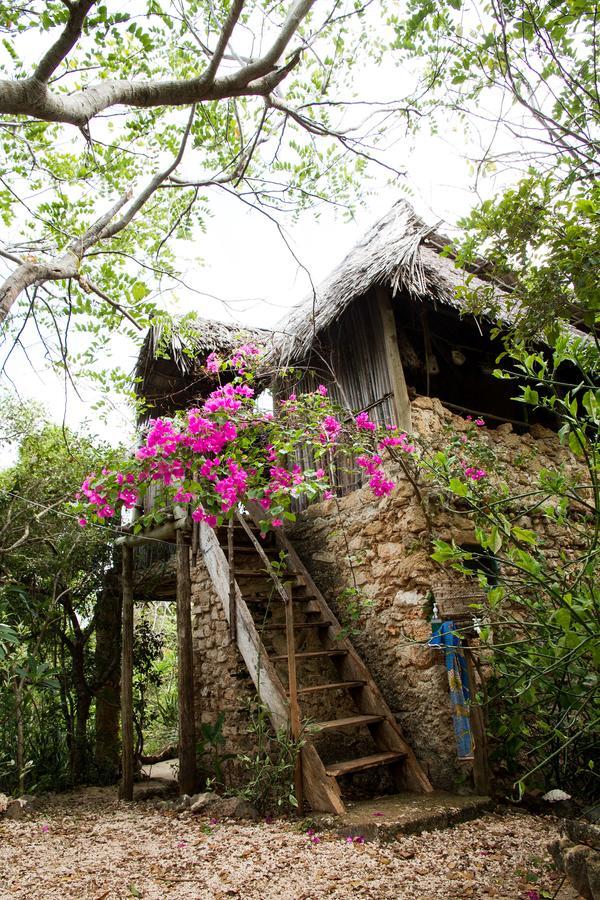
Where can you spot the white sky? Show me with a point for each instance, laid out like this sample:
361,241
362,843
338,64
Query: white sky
243,261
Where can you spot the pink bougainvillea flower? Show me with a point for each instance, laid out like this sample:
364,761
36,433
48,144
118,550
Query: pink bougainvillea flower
533,895
469,418
45,829
310,832
349,839
181,844
359,839
480,422
331,427
315,839
214,821
213,363
328,495
475,474
82,521
322,390
463,438
363,422
380,485
277,523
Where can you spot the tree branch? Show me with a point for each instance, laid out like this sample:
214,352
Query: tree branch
32,97
30,273
67,40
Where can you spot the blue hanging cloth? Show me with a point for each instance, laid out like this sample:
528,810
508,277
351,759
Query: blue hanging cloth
458,678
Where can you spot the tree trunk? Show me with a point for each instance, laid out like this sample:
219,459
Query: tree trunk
83,700
20,754
108,674
185,668
126,789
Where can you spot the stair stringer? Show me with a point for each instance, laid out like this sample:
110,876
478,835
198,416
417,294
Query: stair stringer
369,699
321,790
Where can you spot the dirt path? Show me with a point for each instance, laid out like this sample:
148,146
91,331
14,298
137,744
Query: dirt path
88,845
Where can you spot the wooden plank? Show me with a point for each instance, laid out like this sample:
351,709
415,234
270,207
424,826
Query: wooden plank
331,686
350,722
126,788
185,671
231,564
261,669
320,789
298,626
359,765
311,654
293,695
481,766
394,362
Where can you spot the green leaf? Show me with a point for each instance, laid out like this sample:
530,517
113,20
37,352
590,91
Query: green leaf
562,617
458,487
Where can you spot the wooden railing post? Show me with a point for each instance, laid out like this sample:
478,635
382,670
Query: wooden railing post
295,725
126,788
185,670
231,564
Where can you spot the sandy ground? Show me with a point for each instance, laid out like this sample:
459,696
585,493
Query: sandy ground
88,845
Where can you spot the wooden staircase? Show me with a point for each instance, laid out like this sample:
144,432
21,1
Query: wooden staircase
254,599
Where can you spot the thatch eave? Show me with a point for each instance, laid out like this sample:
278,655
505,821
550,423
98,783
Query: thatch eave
402,253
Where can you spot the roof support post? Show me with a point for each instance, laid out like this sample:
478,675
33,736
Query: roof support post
126,787
187,726
394,363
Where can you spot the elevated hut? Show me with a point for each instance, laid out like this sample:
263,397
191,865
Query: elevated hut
389,331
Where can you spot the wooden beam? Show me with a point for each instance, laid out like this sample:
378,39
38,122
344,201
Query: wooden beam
165,533
185,671
126,788
394,363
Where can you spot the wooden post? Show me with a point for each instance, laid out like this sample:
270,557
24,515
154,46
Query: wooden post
185,667
126,788
231,564
481,766
394,363
293,692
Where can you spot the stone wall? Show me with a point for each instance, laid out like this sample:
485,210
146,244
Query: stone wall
381,546
221,681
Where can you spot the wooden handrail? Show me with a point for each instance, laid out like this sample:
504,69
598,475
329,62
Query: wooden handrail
295,725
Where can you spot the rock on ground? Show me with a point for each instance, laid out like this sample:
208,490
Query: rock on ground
89,846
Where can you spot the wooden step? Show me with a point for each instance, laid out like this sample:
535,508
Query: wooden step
311,654
365,762
351,722
252,573
330,686
273,598
298,626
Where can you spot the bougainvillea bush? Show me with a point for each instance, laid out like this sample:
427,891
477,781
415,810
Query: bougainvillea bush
227,451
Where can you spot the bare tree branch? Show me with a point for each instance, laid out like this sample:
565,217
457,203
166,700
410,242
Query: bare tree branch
32,97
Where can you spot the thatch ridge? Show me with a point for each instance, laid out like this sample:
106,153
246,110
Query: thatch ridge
401,252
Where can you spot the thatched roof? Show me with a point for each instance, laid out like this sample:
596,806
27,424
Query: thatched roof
401,252
169,368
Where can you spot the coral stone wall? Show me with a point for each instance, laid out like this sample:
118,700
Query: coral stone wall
382,546
221,681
